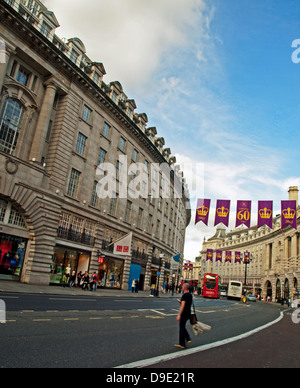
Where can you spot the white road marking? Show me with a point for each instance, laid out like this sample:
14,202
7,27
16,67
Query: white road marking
187,352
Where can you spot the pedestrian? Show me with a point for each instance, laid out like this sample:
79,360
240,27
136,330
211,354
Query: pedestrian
72,279
183,316
133,286
137,283
86,281
64,280
93,283
79,278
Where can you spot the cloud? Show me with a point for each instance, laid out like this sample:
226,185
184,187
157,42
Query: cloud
131,37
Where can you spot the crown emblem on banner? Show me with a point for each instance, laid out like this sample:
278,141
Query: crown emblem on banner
289,213
222,212
265,213
202,211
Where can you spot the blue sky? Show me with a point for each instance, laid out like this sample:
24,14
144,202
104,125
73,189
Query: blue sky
215,78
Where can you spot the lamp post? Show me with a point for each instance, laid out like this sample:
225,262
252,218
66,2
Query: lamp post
247,260
158,275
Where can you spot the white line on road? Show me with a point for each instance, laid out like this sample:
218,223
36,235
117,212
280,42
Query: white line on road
187,352
72,300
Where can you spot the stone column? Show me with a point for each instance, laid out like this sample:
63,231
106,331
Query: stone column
126,272
5,52
42,126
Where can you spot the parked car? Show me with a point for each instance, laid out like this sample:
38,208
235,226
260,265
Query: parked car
251,298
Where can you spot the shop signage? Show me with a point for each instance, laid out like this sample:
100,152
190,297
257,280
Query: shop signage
100,259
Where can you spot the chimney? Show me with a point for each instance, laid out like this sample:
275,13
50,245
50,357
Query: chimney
293,194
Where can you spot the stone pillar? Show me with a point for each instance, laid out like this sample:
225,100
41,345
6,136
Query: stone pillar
37,147
126,272
5,52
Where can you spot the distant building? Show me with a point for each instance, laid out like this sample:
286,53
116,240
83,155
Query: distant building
58,123
274,269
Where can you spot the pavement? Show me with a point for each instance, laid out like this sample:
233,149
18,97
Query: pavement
16,287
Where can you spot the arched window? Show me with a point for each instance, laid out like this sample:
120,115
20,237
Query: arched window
10,123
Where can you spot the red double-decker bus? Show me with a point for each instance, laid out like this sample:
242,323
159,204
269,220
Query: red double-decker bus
211,287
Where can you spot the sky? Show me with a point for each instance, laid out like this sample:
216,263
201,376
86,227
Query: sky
218,81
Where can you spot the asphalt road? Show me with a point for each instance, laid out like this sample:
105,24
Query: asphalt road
87,332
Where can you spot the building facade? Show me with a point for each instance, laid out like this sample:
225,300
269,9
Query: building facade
274,269
71,151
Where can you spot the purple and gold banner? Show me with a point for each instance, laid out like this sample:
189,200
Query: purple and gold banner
209,255
288,214
243,213
265,214
202,211
219,255
238,257
228,257
222,212
247,257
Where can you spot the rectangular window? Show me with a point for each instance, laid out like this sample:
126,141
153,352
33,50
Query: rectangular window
74,56
86,114
135,155
128,211
140,218
94,198
106,129
73,183
113,204
101,156
122,144
81,144
23,76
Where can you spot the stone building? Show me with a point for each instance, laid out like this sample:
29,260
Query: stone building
274,269
60,125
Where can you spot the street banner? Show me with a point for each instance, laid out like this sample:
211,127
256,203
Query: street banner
265,214
247,257
175,262
202,211
228,257
219,256
222,212
238,257
288,214
209,255
123,246
243,213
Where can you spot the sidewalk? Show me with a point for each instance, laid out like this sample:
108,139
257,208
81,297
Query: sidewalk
7,286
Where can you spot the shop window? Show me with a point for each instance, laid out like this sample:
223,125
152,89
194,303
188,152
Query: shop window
12,252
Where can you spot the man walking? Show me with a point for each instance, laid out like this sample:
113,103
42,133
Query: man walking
183,316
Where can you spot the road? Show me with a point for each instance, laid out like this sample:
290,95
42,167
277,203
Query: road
87,332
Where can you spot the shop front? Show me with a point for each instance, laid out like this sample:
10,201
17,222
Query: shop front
110,273
69,261
12,252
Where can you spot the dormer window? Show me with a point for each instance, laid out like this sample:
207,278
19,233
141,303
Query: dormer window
74,56
46,30
96,78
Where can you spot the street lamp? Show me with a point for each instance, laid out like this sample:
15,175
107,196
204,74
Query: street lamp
158,274
247,260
